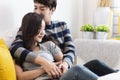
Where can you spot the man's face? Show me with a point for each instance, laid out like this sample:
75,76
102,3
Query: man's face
43,10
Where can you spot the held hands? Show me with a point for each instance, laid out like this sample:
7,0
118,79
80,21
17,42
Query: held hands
63,66
55,70
52,70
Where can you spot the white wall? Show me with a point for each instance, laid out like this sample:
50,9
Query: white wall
11,13
89,8
74,12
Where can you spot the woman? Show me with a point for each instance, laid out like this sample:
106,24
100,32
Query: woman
33,32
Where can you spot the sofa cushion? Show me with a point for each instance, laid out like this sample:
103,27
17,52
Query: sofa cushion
108,51
7,70
112,76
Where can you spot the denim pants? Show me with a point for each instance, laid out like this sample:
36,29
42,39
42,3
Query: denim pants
78,72
90,71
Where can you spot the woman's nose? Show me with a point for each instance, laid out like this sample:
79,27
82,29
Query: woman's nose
42,33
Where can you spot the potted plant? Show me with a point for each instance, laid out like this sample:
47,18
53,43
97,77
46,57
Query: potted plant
87,31
102,31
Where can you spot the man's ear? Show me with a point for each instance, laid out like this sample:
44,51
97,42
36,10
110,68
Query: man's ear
52,10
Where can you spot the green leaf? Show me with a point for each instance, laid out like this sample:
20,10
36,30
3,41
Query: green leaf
87,27
102,28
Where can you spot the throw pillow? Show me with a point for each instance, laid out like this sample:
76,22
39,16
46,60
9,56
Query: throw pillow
7,69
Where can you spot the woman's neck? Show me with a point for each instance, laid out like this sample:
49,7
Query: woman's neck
36,47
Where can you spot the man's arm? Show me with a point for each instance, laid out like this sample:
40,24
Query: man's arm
19,52
69,49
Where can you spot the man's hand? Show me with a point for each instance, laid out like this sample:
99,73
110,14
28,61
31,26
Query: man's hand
63,66
52,70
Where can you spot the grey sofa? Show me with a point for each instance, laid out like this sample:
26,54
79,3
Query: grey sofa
107,51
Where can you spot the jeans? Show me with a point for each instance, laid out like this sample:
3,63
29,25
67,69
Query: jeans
99,68
90,71
78,72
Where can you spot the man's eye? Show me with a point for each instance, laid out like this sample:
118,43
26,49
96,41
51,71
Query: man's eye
42,9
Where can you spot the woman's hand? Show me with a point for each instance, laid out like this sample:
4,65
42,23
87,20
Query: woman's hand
50,68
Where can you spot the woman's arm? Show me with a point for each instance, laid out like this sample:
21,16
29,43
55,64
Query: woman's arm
59,56
27,75
55,51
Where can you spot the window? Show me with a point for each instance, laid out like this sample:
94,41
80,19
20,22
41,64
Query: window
115,6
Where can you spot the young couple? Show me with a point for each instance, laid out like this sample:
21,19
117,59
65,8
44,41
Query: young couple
38,56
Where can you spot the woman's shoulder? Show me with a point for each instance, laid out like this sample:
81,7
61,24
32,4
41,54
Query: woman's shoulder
47,43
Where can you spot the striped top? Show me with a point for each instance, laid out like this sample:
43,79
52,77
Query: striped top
62,37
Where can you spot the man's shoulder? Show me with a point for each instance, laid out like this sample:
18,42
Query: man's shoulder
59,22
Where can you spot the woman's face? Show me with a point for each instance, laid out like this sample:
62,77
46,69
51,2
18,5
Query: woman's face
40,35
45,11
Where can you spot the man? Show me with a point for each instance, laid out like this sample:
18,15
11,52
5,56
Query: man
59,32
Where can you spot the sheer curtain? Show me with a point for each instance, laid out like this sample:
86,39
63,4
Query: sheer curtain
115,6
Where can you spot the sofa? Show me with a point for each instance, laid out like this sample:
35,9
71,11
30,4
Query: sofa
107,51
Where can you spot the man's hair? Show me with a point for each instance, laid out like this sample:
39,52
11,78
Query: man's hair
49,3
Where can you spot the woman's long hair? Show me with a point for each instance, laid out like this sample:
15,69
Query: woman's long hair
31,24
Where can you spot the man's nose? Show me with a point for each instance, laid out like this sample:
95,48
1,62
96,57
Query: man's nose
38,11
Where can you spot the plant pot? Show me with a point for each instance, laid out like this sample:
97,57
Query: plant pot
101,35
87,35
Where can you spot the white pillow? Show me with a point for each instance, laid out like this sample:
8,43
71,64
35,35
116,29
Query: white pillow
112,76
8,36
